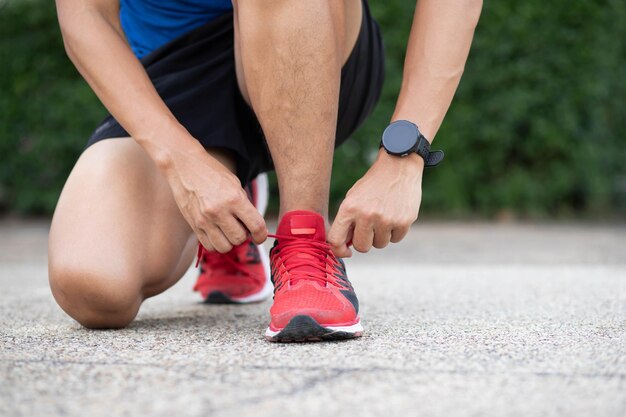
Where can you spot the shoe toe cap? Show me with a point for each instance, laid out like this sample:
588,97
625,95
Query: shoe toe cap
324,305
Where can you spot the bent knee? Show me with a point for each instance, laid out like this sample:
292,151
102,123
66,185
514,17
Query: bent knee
96,300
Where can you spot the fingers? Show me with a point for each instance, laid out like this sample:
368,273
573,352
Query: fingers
382,236
363,236
204,240
223,235
399,233
206,244
364,230
253,221
234,231
213,239
218,240
340,234
226,224
379,235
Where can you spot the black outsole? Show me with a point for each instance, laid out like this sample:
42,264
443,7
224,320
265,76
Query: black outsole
306,329
217,297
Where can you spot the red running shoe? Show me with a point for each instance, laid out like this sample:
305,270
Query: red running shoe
241,275
313,299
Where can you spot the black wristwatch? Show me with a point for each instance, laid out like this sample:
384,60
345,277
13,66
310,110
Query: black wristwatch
402,137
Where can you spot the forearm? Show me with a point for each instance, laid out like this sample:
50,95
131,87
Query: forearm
382,205
438,47
95,44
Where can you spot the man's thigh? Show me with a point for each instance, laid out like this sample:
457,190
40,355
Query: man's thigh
117,220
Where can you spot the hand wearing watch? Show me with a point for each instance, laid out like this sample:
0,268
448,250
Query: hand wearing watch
402,137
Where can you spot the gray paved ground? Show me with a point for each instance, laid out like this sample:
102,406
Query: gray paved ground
461,320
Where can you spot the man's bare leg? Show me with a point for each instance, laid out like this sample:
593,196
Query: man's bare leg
289,54
117,235
289,58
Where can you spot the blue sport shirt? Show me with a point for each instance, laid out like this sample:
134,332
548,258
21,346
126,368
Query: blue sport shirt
149,24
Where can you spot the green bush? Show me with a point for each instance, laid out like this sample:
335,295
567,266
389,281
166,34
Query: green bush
538,126
46,109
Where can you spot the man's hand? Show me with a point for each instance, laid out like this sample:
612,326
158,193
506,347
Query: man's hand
208,195
380,207
211,199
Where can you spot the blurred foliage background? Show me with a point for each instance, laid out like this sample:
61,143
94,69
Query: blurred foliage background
536,130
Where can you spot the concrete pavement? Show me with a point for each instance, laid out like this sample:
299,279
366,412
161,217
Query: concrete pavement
461,320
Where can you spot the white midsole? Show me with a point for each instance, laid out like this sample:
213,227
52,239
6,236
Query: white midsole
355,328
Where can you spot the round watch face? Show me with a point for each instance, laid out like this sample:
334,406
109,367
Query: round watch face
400,137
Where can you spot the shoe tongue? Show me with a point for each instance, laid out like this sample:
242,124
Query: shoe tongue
303,224
306,225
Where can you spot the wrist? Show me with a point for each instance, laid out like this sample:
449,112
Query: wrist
427,127
411,164
165,145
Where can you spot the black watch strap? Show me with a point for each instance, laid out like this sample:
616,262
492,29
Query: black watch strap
403,137
431,158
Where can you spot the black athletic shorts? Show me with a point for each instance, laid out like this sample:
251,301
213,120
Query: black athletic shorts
195,76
